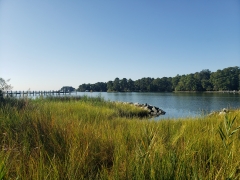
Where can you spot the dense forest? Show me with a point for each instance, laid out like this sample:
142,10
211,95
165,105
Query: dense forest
205,80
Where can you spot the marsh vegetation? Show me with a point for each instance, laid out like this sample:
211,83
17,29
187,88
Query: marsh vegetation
89,138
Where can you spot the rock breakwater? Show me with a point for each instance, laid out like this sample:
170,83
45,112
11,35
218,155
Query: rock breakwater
152,110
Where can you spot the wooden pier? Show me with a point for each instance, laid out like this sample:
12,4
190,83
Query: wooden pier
36,93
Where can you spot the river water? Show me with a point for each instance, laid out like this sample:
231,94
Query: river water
176,104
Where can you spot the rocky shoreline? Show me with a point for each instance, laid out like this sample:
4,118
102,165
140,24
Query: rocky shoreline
224,111
152,110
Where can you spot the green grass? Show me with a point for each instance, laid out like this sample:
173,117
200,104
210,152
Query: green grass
89,138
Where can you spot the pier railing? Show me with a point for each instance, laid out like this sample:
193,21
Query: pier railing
36,93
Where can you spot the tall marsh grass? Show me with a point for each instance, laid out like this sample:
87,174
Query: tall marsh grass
89,138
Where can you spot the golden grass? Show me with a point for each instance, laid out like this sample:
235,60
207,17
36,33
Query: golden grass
88,138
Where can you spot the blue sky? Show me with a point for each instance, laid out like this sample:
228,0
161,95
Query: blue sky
45,45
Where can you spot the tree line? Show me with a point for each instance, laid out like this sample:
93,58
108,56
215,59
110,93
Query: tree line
205,80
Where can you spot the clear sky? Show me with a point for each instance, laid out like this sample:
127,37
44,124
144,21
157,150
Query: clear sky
45,45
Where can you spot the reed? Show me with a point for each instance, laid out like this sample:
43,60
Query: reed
89,138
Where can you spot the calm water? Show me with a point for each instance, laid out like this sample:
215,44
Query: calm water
176,105
180,104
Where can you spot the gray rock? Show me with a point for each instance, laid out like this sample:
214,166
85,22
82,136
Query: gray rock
224,110
136,104
162,112
146,108
152,110
222,113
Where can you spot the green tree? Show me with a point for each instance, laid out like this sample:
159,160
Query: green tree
99,87
226,79
166,84
124,85
239,82
193,84
148,84
181,84
82,87
219,81
116,84
162,85
110,86
156,83
137,85
131,85
175,81
206,85
144,84
188,83
203,77
4,86
232,74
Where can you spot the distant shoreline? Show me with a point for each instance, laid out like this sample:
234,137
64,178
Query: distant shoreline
210,91
166,91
